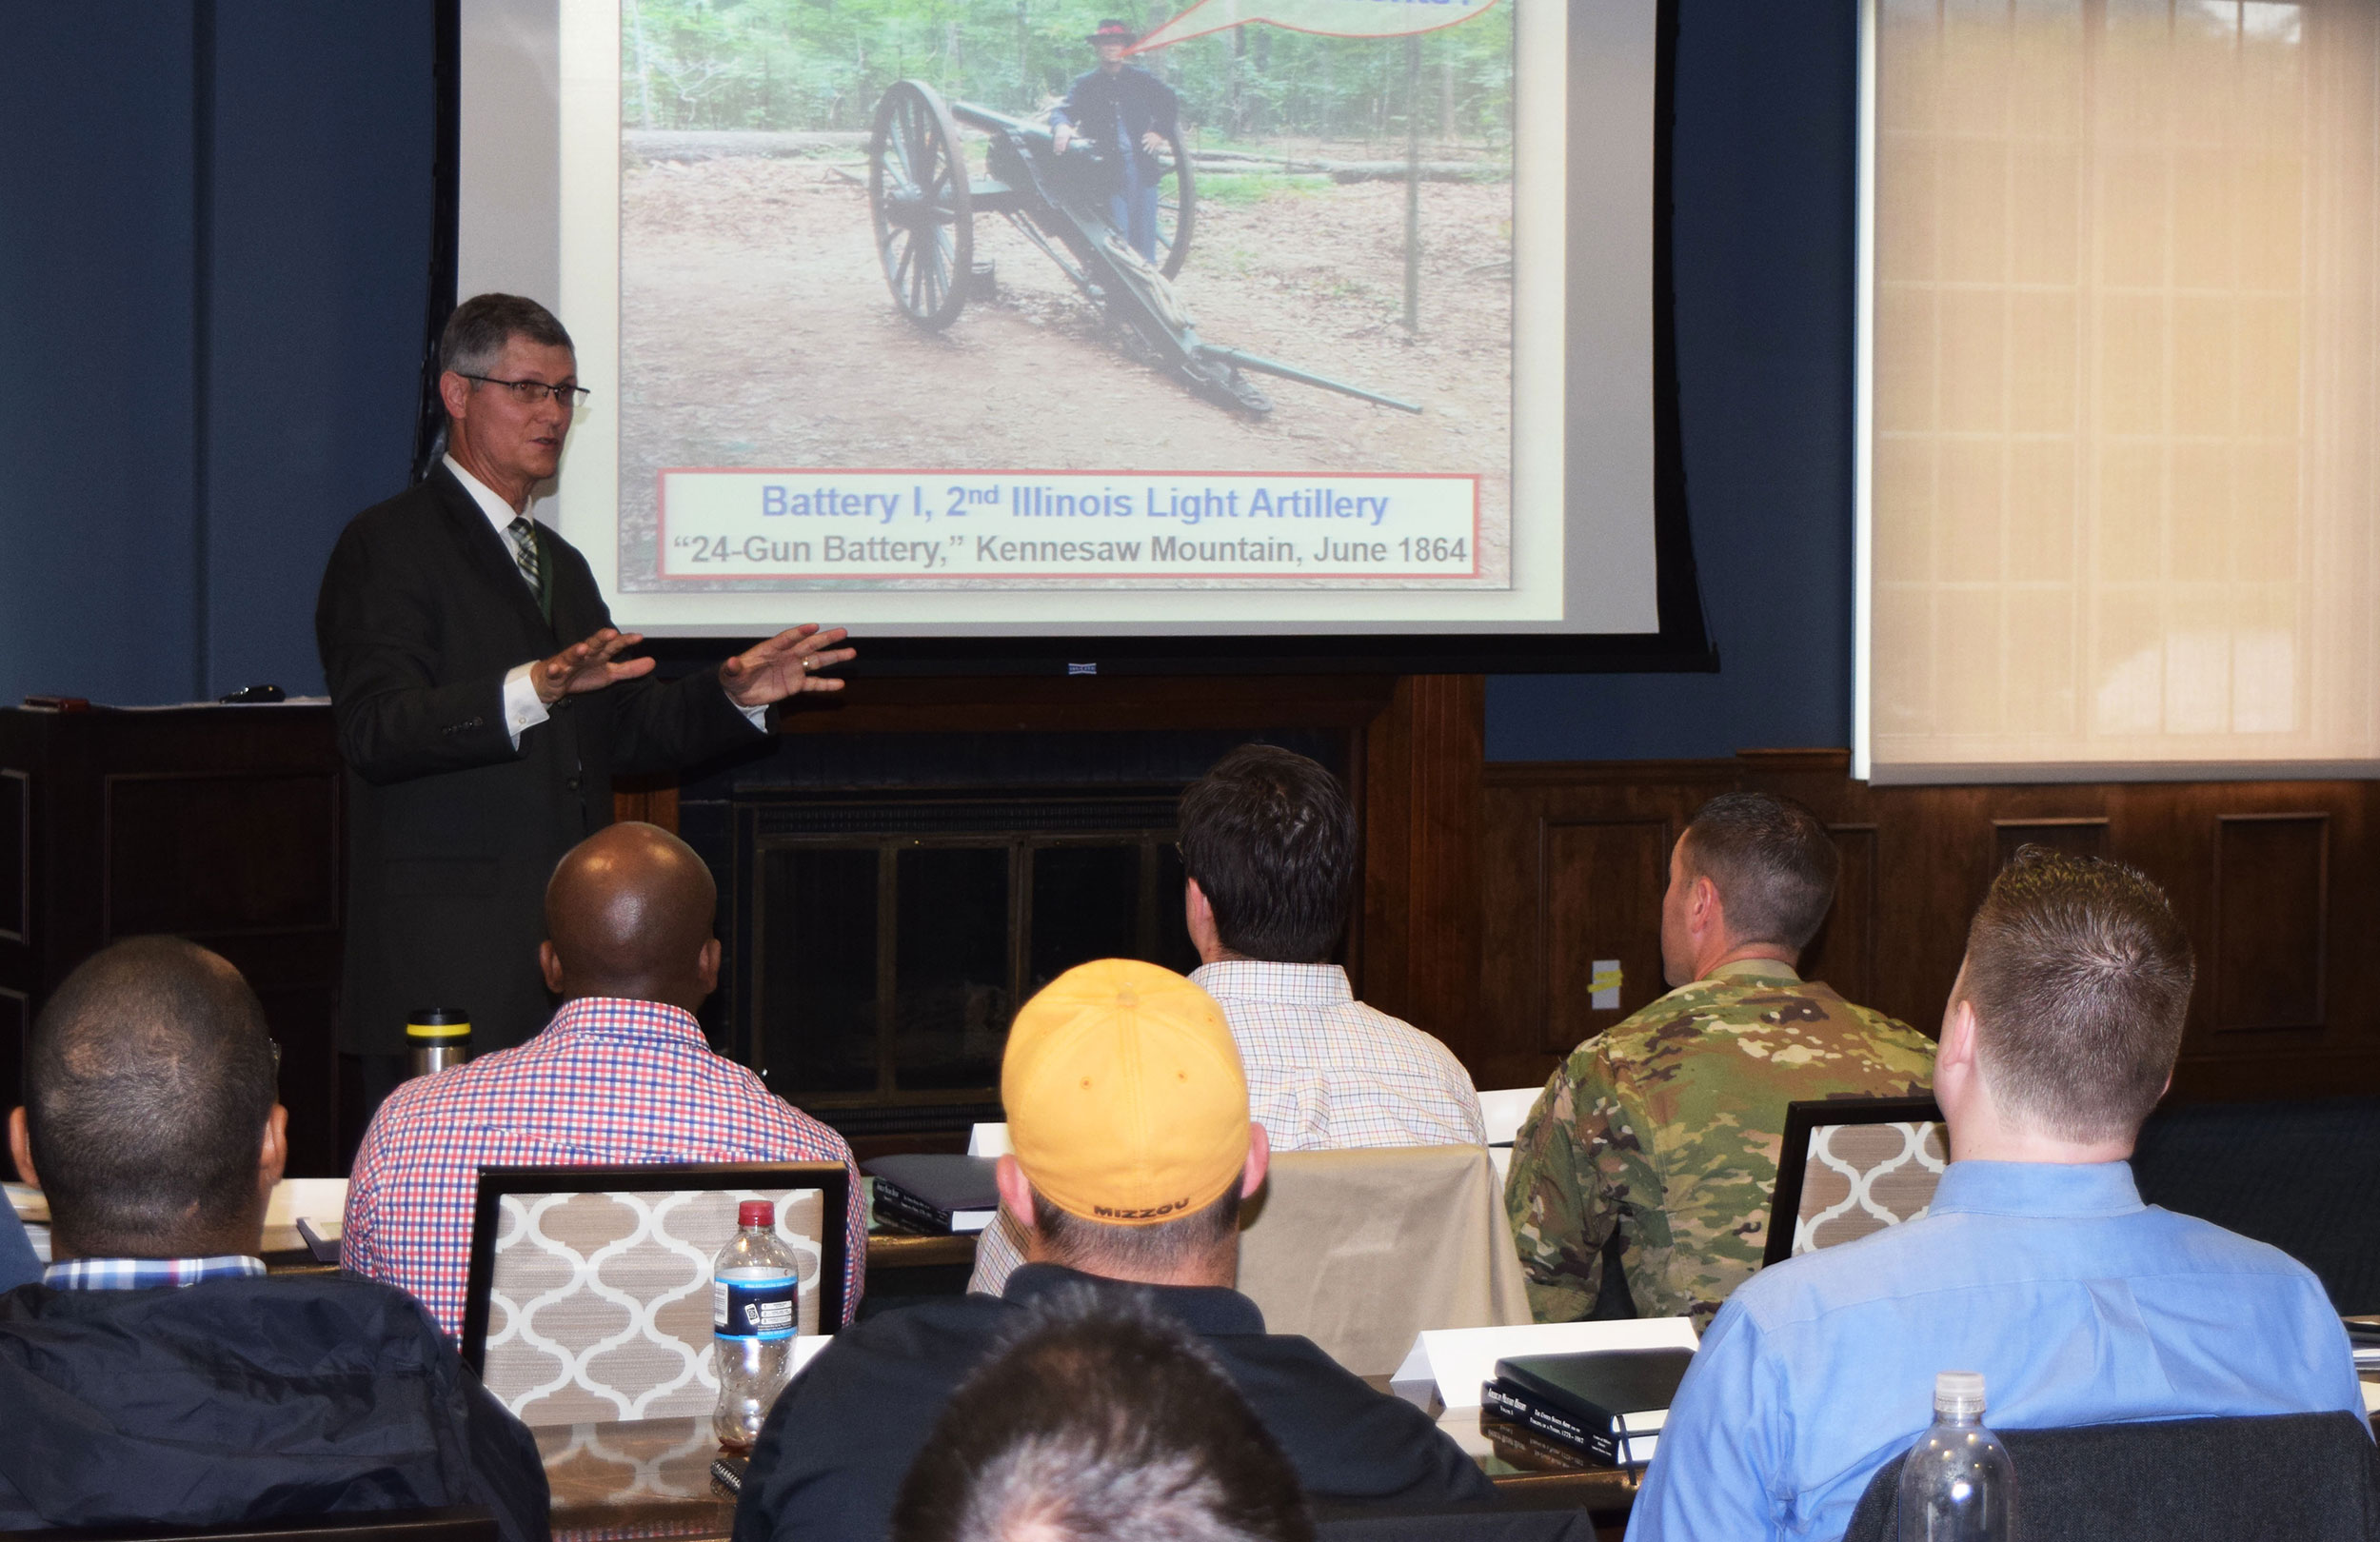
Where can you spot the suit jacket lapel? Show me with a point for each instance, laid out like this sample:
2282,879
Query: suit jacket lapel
486,550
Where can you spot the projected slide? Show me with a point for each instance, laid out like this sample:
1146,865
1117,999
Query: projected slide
959,317
923,282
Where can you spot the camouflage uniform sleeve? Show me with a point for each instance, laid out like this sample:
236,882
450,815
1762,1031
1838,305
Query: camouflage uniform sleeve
1900,1050
1566,1189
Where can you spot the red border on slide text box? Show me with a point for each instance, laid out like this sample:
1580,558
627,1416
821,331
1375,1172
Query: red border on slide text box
660,501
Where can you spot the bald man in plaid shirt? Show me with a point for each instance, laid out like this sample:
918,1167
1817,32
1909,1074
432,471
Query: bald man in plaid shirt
621,1074
1268,839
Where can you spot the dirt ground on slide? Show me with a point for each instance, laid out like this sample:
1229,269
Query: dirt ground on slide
756,330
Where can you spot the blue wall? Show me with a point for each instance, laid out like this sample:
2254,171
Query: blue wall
97,426
213,236
214,247
1763,179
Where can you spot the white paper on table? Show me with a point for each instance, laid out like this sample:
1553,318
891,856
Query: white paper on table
321,1201
988,1140
1453,1363
2372,1396
1504,1110
806,1347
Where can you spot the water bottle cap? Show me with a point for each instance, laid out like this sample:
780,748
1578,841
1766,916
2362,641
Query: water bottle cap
762,1213
1958,1392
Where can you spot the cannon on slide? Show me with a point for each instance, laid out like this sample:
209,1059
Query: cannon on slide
924,198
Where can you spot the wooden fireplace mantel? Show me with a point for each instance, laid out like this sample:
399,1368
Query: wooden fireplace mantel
1415,744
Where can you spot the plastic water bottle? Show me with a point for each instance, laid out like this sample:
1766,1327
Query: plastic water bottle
1957,1484
755,1291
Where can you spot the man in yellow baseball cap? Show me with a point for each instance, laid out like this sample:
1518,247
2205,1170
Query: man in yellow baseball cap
1128,1115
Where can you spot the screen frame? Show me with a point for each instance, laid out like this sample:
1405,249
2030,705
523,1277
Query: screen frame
1683,644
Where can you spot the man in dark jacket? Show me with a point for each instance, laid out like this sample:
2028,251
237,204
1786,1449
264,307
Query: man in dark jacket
1129,116
1134,1149
156,1377
482,703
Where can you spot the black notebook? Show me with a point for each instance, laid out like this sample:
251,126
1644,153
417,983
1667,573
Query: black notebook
1607,1404
932,1192
1622,1390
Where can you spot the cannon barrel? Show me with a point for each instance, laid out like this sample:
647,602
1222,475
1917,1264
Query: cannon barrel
996,123
1304,377
1165,331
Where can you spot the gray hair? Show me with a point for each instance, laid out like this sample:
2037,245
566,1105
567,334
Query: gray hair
1103,1419
480,327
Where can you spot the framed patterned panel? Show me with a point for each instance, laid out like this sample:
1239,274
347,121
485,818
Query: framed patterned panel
1849,1167
588,1295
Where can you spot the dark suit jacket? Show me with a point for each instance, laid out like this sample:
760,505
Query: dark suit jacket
451,832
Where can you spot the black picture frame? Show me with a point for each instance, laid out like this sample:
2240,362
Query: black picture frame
1792,1157
1683,644
832,1178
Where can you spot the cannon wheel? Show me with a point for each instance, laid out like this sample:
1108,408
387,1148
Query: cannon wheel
1176,209
917,188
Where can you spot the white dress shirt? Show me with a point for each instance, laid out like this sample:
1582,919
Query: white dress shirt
523,710
1325,1073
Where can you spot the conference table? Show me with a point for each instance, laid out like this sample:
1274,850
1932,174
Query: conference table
652,1478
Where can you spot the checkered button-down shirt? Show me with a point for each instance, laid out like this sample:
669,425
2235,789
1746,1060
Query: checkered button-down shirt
607,1081
1325,1073
142,1273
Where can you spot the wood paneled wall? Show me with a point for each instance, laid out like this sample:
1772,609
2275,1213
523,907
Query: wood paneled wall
2276,881
218,825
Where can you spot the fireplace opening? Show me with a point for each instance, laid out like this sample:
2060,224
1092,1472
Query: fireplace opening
887,904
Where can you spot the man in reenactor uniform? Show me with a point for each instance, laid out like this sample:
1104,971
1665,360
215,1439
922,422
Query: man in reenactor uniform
1664,1129
1129,116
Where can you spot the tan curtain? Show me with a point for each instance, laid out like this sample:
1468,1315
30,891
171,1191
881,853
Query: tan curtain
2124,419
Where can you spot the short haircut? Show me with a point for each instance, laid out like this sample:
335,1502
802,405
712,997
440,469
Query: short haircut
1101,1420
1270,839
1160,1246
480,327
1771,861
2079,975
148,1080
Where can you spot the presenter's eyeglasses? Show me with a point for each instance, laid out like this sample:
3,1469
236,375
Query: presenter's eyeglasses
530,392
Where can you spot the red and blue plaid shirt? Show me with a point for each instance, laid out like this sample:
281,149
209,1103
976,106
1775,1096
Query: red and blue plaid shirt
607,1081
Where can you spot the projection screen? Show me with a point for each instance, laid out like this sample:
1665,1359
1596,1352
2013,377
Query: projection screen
822,392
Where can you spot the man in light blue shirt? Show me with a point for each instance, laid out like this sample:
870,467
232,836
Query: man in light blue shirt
2038,1264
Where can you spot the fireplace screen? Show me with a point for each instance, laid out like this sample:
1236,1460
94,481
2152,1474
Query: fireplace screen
896,938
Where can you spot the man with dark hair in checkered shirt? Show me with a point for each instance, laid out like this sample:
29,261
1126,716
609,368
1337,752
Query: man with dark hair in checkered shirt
621,1074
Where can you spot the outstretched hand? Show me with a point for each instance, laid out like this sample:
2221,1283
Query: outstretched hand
588,666
785,665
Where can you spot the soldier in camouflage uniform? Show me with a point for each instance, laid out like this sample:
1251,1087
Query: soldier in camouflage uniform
1665,1128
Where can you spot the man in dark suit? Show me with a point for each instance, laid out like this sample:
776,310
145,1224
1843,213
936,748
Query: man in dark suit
482,703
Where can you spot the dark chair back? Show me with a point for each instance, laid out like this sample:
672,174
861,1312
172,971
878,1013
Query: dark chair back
1461,1526
2285,1477
1850,1166
463,1523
